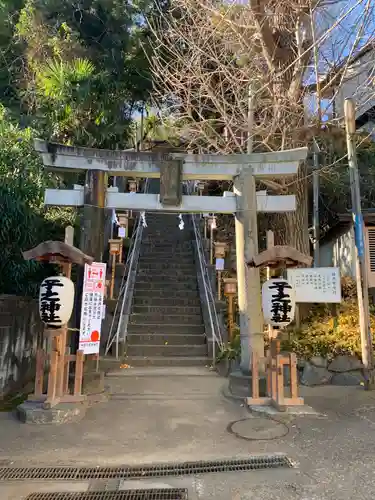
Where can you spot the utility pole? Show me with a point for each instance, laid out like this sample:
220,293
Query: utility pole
361,262
316,193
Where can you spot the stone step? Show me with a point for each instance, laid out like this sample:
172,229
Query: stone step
167,301
172,242
161,258
146,276
158,249
166,309
167,276
145,292
167,231
173,269
162,339
166,350
160,266
172,259
167,361
165,318
172,286
173,329
162,245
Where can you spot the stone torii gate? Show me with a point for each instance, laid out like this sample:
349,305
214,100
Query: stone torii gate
173,168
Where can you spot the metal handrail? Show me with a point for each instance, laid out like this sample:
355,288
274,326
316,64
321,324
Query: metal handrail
208,293
122,287
126,287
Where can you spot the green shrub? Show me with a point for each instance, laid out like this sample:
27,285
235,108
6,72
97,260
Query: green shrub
327,334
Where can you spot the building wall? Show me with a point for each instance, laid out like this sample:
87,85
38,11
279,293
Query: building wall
358,84
340,252
20,335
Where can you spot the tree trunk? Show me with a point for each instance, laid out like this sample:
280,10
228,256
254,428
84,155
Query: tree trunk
292,228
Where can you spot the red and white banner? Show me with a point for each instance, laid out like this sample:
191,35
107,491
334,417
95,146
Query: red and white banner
92,307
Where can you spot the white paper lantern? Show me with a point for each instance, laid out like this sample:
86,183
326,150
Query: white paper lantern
56,299
278,301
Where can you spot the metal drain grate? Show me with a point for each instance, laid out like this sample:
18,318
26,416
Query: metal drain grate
152,494
147,471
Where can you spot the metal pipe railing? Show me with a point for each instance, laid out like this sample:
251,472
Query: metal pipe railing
126,287
208,293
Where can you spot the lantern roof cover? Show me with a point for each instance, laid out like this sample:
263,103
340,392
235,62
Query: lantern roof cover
57,250
281,255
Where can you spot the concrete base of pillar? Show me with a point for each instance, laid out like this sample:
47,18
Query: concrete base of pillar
240,385
32,412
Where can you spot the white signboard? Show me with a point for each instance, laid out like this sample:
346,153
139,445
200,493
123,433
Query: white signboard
278,302
56,299
320,284
92,307
220,264
121,232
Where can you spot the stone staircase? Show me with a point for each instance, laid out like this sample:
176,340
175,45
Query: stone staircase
166,324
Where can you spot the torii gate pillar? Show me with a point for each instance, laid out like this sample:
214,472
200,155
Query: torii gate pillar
92,236
248,279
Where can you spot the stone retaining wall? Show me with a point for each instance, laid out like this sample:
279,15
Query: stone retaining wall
342,370
20,334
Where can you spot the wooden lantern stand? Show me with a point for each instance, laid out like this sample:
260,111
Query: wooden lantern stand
230,290
276,258
211,221
59,358
133,188
220,249
123,220
115,247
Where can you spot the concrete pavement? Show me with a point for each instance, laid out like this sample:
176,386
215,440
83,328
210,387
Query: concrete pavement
174,415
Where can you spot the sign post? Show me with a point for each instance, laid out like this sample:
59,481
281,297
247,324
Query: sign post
316,285
92,308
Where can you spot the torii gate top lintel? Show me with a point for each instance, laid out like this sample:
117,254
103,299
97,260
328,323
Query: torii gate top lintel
147,164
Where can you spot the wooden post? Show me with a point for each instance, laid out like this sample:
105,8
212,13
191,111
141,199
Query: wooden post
78,373
280,380
61,349
293,375
269,373
39,372
52,379
230,316
66,370
270,244
255,377
219,285
113,276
